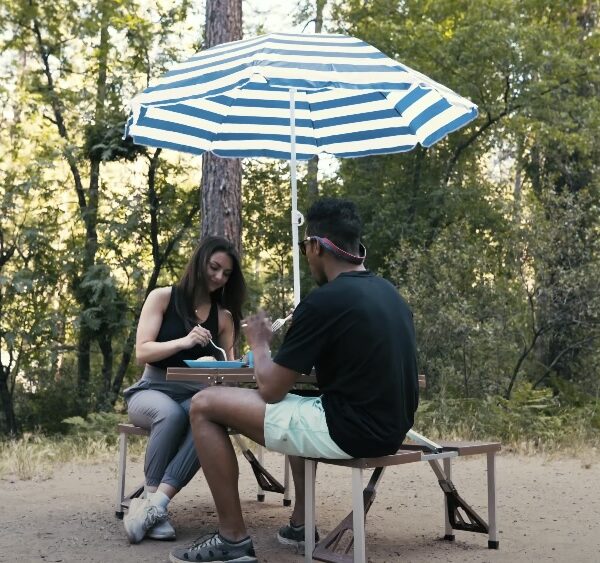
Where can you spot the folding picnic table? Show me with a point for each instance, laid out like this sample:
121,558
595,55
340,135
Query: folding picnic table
458,514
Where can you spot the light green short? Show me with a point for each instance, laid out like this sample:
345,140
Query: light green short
297,426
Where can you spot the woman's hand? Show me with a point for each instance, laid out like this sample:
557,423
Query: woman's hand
198,336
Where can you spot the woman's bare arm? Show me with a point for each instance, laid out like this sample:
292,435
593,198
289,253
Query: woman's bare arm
146,348
226,333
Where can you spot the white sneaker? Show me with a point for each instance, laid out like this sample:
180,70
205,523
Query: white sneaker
162,531
141,517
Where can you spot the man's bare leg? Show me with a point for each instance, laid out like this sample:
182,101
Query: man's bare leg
297,465
214,410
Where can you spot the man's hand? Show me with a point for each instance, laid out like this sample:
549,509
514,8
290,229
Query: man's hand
273,380
257,329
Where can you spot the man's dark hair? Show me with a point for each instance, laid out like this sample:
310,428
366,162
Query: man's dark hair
335,219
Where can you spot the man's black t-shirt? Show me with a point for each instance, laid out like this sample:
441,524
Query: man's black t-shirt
358,333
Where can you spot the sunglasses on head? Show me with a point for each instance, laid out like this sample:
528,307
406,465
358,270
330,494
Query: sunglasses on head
335,250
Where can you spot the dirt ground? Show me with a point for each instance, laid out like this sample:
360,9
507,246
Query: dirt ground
548,510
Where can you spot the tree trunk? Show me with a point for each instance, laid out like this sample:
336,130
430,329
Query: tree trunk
221,185
90,219
6,400
222,198
90,211
84,344
105,345
312,179
126,356
88,202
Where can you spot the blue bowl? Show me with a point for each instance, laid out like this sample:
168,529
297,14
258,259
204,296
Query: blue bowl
215,364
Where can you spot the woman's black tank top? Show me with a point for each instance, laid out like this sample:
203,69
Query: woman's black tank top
173,327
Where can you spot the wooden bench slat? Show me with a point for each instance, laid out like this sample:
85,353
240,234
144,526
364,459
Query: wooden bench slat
471,448
400,457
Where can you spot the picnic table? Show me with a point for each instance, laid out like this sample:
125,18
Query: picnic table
458,514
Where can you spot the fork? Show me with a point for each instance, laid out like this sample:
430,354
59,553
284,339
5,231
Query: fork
215,346
219,349
277,324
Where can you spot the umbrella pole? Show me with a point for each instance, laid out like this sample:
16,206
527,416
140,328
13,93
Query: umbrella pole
297,218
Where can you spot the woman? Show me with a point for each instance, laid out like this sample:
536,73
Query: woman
177,324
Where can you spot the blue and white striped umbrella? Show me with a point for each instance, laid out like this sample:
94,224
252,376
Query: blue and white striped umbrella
291,97
351,100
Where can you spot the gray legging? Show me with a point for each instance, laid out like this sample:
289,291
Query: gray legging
163,408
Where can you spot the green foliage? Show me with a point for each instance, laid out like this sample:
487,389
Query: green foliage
266,212
492,235
104,142
90,223
107,308
95,425
467,314
531,419
47,402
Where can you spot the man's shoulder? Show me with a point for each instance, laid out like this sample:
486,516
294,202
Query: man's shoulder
314,305
346,288
347,282
360,281
322,296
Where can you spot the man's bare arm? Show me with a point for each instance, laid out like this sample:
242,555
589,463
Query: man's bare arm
273,380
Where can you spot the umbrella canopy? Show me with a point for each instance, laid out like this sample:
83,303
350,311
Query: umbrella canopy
292,97
351,100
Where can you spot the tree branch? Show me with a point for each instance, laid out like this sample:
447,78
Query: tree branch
508,109
58,116
572,346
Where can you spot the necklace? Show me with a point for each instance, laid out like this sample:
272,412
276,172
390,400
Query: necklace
198,316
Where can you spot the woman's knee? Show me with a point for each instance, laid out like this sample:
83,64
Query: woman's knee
173,417
148,408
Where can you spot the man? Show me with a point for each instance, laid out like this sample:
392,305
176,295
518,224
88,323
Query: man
358,334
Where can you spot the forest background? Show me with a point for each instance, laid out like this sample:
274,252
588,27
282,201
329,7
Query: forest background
492,235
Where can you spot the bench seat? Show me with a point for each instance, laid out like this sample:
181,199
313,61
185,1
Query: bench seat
458,514
265,481
124,500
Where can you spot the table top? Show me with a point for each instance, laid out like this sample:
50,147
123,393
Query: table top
233,375
222,375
